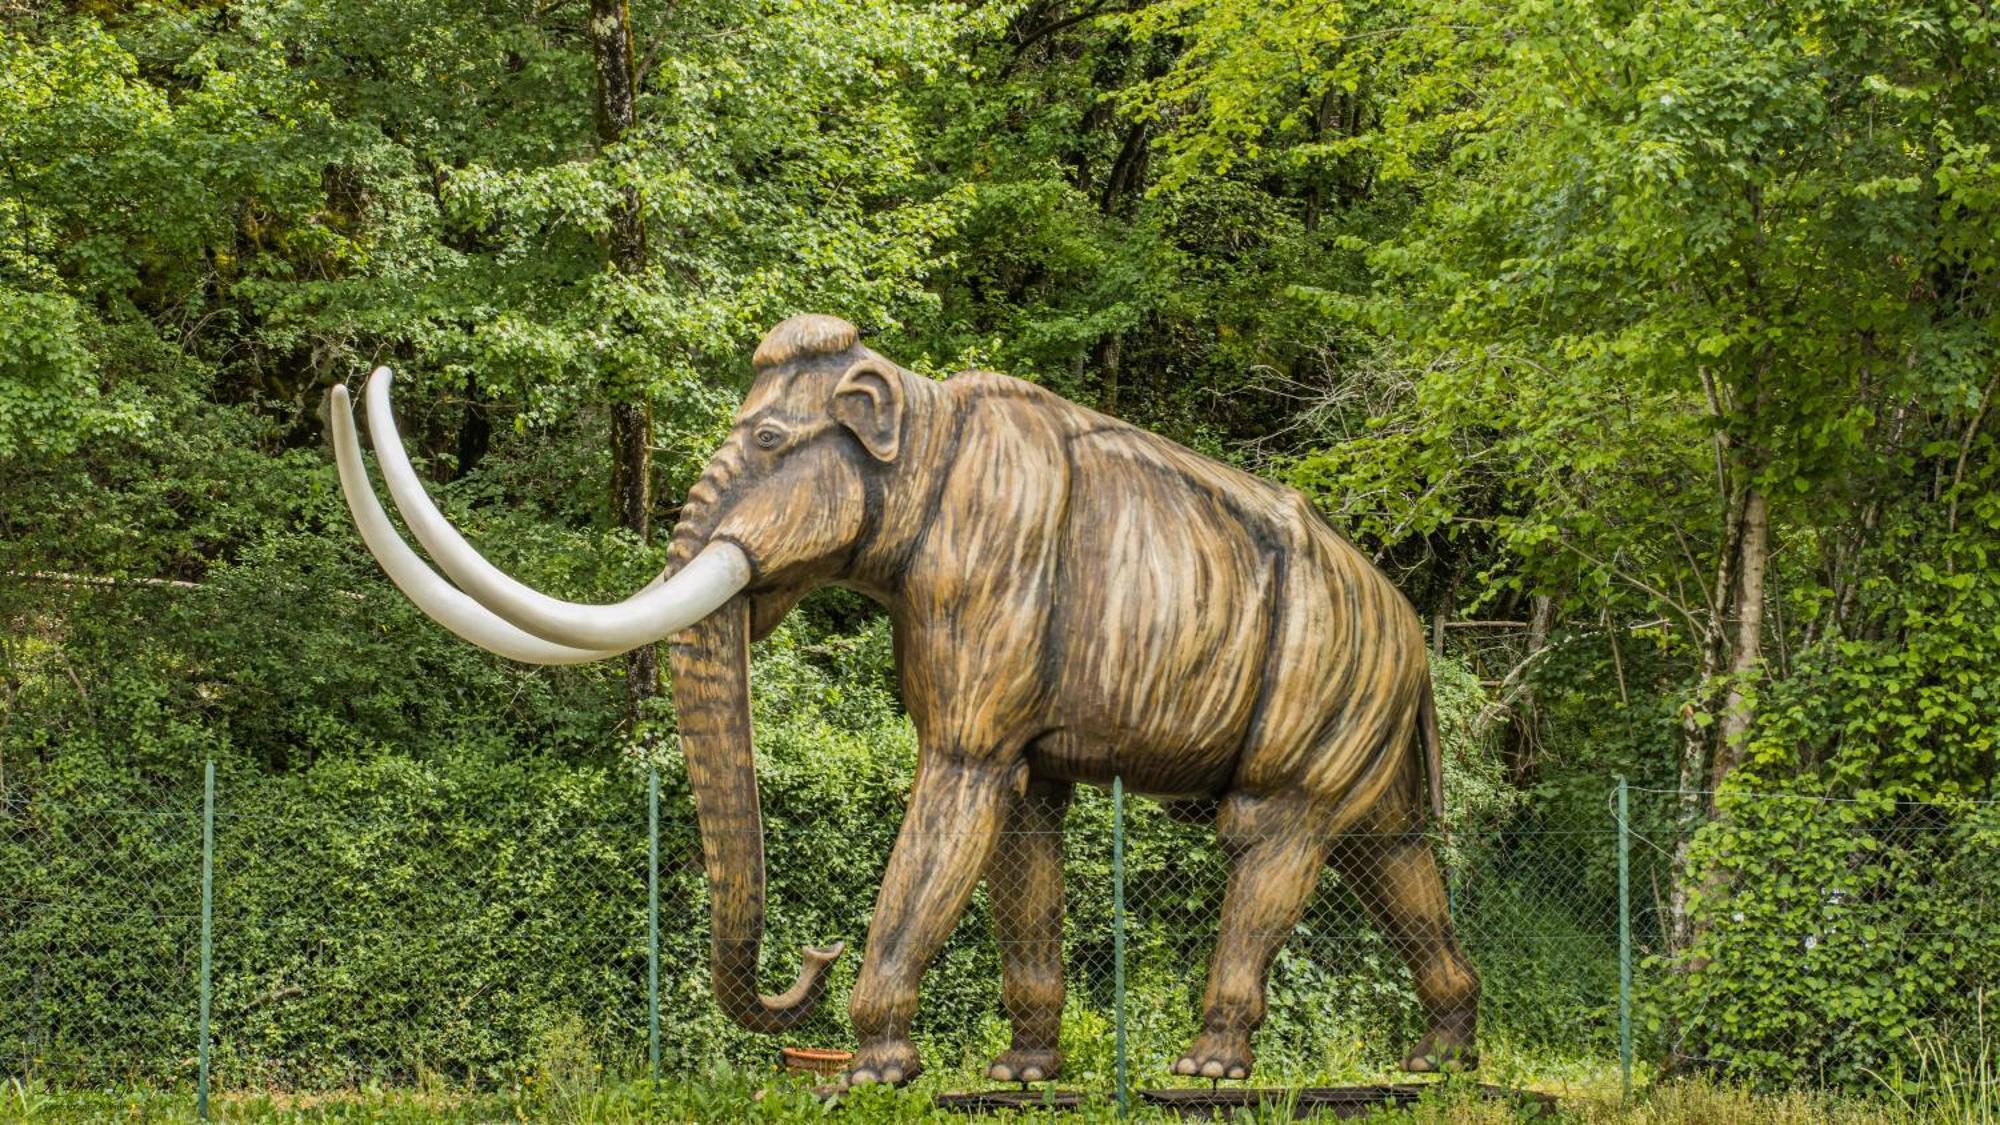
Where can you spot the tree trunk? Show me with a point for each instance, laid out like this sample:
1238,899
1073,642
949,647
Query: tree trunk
1107,366
475,429
1524,731
1128,172
1732,655
1697,722
631,422
1747,646
1323,118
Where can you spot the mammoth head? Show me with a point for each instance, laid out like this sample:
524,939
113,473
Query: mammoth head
799,485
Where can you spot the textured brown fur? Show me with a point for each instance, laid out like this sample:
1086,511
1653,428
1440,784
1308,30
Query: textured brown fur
1074,600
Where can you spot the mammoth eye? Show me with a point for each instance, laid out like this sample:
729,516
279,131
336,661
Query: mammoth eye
768,437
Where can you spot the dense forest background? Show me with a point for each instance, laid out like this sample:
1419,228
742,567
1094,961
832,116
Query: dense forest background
1649,347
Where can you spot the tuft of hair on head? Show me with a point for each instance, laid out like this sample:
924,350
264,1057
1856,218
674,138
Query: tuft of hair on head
802,337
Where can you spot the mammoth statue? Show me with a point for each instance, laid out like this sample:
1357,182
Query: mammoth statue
1073,599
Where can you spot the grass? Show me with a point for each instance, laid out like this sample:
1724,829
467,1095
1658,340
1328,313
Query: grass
1959,1079
736,1096
1953,1082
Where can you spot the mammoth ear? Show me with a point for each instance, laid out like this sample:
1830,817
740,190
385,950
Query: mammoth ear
869,401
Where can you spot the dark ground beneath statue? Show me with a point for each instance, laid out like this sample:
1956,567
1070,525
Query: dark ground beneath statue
1222,1103
996,1101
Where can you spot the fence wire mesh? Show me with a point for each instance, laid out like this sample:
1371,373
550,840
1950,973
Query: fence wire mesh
99,931
363,942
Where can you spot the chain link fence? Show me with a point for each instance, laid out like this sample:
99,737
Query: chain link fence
372,943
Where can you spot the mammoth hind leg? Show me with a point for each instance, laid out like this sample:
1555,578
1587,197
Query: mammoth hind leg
1279,845
1025,880
1397,877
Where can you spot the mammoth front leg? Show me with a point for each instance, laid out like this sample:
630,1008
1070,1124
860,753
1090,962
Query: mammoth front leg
945,843
1025,878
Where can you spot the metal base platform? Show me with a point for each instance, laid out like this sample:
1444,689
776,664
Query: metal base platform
1221,1103
1011,1100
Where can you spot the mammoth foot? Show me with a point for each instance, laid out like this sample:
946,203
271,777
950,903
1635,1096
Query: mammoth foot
1217,1054
1439,1051
1019,1064
891,1062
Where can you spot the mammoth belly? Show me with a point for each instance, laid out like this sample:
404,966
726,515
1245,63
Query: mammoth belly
1159,632
1173,773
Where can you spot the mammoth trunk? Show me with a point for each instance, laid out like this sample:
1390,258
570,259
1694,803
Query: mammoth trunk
711,673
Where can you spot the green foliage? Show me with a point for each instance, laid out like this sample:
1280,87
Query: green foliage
1841,942
1835,938
1663,256
1222,77
1911,715
1477,794
49,399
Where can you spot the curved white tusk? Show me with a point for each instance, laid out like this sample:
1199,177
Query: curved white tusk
660,610
444,603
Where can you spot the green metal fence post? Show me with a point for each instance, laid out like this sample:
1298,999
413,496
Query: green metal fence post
207,926
1624,940
1118,933
653,922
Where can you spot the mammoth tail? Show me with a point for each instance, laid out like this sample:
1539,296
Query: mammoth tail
1433,747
